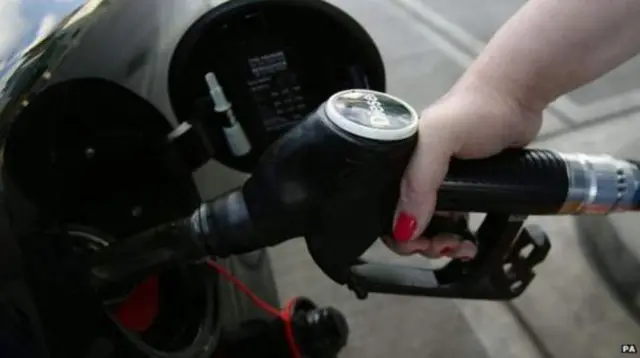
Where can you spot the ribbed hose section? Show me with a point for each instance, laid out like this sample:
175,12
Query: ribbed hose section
516,181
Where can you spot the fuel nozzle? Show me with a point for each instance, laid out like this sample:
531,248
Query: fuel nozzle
333,179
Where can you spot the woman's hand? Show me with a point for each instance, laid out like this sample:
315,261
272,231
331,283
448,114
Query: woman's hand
548,48
471,121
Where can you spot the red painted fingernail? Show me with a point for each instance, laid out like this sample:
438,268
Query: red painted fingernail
405,227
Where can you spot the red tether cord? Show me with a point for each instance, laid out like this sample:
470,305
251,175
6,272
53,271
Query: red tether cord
284,314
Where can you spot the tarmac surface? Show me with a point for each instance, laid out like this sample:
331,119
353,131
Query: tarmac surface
567,311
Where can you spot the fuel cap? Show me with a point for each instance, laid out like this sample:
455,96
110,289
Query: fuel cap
372,115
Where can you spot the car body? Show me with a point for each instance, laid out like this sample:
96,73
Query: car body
87,91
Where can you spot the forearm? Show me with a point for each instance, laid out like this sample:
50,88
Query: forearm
550,47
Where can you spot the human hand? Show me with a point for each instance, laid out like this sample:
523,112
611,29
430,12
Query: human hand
470,122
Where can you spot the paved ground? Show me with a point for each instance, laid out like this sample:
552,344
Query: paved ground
567,312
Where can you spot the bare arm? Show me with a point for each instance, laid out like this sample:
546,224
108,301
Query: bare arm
550,47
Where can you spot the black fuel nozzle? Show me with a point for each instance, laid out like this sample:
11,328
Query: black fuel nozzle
334,179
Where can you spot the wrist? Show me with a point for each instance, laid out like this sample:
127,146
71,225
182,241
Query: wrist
489,111
516,93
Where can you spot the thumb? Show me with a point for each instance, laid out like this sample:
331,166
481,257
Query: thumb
422,178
